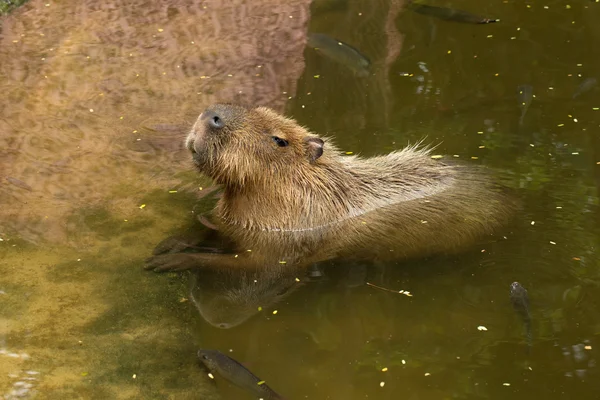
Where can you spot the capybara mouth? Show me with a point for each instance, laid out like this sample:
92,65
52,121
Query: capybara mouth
189,142
198,160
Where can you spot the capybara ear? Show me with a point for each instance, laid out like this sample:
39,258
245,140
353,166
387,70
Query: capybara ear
314,147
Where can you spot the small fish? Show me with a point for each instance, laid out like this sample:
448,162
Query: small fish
19,183
432,32
520,301
340,52
237,374
585,86
524,96
449,14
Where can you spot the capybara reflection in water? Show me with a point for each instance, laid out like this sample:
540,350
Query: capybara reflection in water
292,197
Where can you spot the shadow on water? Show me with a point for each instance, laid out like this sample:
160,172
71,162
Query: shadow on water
96,99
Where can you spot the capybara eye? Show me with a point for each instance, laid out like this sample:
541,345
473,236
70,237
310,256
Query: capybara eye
280,142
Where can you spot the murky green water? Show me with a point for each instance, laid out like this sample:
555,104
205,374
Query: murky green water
96,98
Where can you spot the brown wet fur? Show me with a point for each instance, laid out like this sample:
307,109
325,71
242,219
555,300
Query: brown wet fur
306,202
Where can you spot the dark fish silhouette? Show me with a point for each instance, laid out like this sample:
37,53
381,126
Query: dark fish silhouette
585,86
340,52
520,301
449,14
524,96
19,183
237,374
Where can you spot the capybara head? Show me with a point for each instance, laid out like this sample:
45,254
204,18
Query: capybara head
236,145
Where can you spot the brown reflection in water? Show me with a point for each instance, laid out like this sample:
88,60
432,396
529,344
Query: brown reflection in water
96,98
367,101
85,85
226,298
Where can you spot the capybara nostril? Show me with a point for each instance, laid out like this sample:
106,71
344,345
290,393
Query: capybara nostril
214,120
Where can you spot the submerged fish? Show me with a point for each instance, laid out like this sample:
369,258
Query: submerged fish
520,301
585,86
449,14
340,52
19,183
525,96
237,374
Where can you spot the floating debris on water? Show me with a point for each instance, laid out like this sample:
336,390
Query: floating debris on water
404,292
11,354
481,328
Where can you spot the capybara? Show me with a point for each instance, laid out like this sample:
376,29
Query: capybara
290,196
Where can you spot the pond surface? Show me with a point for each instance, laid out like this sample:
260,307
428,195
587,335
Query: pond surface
96,100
